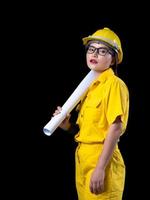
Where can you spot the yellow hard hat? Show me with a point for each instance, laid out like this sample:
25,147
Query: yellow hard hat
107,36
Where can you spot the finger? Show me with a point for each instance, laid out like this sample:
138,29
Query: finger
56,112
95,188
100,188
91,187
59,108
68,116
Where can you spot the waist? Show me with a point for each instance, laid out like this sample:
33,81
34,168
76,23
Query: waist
92,148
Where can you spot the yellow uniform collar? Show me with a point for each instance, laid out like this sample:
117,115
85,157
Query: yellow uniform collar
103,76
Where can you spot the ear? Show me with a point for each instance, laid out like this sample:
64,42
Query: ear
113,61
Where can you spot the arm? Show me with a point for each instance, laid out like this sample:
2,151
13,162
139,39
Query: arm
97,178
66,125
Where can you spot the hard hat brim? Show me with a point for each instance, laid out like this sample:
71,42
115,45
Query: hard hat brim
105,40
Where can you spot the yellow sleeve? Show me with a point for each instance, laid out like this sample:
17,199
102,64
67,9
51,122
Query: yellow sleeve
117,102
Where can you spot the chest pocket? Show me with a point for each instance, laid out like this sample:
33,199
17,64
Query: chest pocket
92,110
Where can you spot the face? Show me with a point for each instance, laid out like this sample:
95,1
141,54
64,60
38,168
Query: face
98,57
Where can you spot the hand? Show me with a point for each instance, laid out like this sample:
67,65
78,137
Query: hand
65,125
97,181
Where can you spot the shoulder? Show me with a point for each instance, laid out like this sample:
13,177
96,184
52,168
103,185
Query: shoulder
117,84
117,81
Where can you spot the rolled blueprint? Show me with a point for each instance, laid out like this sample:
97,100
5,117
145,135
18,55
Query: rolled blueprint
70,104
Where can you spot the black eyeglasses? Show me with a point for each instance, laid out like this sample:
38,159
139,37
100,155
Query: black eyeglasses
100,51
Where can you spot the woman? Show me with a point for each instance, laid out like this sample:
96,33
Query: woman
102,119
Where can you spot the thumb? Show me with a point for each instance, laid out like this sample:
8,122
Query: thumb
68,116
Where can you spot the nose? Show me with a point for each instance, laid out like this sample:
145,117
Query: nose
95,53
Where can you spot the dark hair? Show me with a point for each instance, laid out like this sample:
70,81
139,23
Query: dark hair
115,65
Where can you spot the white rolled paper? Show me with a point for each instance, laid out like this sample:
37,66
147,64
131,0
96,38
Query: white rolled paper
70,104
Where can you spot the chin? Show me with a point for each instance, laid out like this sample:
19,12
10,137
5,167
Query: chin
93,67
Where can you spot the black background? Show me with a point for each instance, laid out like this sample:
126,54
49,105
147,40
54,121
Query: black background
44,64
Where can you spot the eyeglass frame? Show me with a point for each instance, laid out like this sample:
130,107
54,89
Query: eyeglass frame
108,50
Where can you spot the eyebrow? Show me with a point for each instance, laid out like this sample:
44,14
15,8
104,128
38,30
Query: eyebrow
99,47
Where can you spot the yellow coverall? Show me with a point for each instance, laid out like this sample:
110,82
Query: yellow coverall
107,98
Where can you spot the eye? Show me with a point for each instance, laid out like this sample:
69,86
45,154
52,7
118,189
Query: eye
91,49
103,51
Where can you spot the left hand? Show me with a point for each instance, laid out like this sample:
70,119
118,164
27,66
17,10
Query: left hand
97,181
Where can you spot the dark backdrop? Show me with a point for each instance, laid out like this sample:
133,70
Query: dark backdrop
46,63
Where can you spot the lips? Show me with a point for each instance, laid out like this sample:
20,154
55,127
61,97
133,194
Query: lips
93,61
